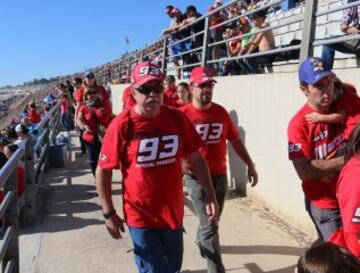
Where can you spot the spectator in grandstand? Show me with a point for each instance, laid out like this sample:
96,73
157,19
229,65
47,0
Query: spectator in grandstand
170,96
10,149
64,113
233,48
90,81
245,27
350,25
216,34
3,142
312,147
327,258
34,116
254,4
70,89
93,118
348,197
153,199
183,93
191,15
260,42
215,127
174,36
22,133
63,89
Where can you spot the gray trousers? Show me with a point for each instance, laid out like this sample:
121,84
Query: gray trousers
207,237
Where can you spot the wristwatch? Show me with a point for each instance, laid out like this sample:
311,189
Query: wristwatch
109,214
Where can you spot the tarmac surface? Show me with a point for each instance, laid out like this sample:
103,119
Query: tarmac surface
69,234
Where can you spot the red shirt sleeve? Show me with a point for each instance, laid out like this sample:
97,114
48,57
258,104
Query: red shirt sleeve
79,95
232,131
298,146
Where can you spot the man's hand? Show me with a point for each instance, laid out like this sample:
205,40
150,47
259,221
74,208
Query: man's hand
252,176
212,209
114,225
313,117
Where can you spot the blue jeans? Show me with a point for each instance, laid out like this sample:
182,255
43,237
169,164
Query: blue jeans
93,151
65,121
326,221
207,237
157,250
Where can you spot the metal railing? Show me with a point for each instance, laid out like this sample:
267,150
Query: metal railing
12,205
201,53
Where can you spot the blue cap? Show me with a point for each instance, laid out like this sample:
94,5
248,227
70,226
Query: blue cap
313,70
89,74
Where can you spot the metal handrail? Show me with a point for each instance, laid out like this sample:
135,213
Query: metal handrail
6,241
10,166
184,53
5,203
342,38
184,66
258,54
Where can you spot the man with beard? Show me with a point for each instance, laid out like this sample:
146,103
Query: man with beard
214,125
147,142
313,147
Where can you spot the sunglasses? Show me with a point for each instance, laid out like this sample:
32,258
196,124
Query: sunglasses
90,77
146,90
206,85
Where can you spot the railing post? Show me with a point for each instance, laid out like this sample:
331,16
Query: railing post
164,54
29,208
12,219
141,55
205,43
308,35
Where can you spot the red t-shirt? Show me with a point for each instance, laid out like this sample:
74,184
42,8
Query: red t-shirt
79,95
348,195
34,116
315,141
215,126
64,106
180,104
150,151
128,99
216,19
100,113
170,97
350,102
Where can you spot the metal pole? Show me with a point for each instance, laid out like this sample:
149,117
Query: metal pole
205,43
12,219
308,36
29,182
164,55
128,67
141,55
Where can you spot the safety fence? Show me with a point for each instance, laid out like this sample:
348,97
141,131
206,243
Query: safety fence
32,163
303,31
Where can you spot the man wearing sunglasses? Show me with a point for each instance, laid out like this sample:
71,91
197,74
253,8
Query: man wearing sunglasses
147,142
214,125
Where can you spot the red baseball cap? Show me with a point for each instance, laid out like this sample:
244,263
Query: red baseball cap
200,75
145,72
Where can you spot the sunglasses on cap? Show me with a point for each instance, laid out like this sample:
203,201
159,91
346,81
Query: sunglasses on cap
146,90
206,85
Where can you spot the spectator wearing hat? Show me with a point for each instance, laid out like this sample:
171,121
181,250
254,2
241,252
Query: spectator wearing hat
216,34
175,35
92,115
312,147
147,142
214,125
90,81
22,133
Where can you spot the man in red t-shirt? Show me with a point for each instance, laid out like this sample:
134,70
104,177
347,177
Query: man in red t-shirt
214,125
312,147
147,142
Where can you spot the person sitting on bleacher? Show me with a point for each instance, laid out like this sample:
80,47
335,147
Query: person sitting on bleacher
350,25
260,42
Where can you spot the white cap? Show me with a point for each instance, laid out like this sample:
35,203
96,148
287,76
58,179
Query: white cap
18,128
218,1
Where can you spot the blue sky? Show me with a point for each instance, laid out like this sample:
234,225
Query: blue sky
46,38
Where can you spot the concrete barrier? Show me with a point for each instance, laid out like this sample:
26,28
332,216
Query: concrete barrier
261,107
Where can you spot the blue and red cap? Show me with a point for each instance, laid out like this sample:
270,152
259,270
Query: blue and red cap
313,70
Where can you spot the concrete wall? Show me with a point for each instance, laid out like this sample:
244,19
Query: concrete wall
261,106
